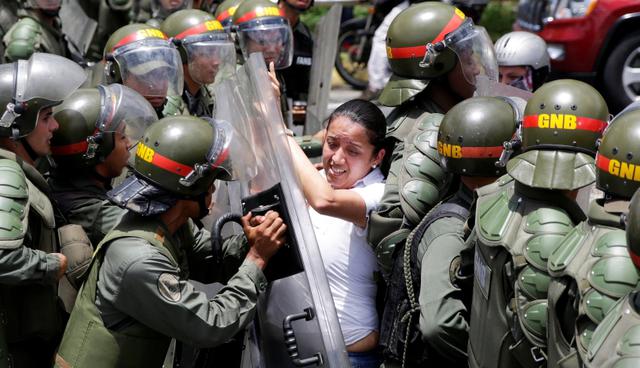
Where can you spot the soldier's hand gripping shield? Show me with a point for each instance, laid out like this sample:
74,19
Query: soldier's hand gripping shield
28,86
210,55
300,290
474,49
151,66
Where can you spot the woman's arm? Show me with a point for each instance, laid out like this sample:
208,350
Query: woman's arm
342,203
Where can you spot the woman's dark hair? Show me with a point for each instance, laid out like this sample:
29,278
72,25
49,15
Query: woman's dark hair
366,114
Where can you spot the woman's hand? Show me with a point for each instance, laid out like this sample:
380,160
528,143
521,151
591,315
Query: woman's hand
266,234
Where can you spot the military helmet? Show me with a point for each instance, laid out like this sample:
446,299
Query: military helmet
89,119
472,133
203,44
427,40
618,158
633,229
142,57
225,11
28,86
184,154
524,49
562,124
261,27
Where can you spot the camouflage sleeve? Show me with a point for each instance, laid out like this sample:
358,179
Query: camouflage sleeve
24,264
141,282
443,320
22,40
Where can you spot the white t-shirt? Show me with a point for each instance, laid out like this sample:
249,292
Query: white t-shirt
350,263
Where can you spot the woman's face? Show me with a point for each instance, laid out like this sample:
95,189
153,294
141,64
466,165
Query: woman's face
347,154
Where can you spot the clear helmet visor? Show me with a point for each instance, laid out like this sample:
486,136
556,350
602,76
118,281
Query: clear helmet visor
228,158
209,58
475,52
163,8
47,76
153,68
272,37
125,111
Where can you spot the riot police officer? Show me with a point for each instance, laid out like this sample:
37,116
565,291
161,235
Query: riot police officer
142,58
98,126
37,30
613,342
137,294
520,221
33,321
423,82
428,293
207,52
523,60
591,267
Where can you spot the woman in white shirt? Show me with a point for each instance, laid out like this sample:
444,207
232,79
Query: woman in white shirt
341,196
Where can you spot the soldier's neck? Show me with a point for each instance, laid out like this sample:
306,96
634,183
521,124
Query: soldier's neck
45,18
191,85
442,95
176,216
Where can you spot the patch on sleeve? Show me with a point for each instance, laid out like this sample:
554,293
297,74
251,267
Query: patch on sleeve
169,287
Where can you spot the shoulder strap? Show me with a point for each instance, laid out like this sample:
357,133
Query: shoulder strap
444,209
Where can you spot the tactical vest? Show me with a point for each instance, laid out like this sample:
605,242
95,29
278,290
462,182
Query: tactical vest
27,310
87,342
591,270
400,336
31,32
615,342
517,228
416,181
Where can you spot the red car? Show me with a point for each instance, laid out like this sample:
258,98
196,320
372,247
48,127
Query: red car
593,40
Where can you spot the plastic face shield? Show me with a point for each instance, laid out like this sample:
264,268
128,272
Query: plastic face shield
48,77
152,67
209,54
474,49
124,110
228,158
272,36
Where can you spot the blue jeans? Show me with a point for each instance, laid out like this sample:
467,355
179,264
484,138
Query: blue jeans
367,359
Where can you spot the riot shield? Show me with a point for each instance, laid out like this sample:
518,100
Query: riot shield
491,88
296,322
78,29
324,55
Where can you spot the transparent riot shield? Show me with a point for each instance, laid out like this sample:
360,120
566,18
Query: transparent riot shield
296,322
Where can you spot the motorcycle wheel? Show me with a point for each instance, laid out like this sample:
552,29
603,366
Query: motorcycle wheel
350,63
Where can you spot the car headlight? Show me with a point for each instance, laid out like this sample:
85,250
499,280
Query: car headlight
563,9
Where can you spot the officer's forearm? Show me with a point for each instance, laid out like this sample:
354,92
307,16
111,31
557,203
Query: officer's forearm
24,264
442,313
